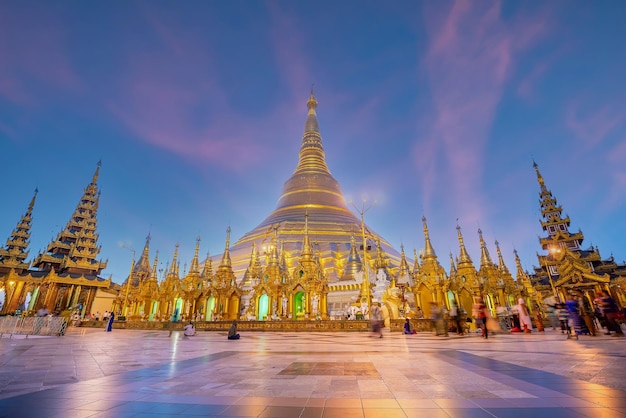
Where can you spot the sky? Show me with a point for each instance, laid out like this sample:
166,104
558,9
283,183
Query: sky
196,110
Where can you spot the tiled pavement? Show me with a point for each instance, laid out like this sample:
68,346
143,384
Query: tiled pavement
129,373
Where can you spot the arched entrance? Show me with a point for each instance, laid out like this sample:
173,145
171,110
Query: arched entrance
154,310
233,306
299,303
178,309
210,308
264,305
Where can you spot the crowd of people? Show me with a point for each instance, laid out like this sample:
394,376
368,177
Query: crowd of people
575,316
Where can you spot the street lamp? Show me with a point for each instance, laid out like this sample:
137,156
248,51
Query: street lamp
130,276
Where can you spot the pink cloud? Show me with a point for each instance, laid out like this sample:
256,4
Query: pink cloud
593,126
177,104
33,47
470,56
288,48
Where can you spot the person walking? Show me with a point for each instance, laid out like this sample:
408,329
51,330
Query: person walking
611,315
525,322
376,320
480,315
110,322
455,318
574,321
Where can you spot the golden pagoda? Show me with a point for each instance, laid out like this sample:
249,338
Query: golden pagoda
64,277
312,190
567,268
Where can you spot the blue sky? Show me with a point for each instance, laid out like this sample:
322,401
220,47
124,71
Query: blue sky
197,108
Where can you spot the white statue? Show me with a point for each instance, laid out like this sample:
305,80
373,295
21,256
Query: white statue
381,277
285,300
314,303
364,309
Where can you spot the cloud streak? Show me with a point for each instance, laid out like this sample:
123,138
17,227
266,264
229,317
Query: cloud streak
470,56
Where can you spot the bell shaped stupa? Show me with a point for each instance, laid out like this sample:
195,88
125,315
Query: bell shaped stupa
311,190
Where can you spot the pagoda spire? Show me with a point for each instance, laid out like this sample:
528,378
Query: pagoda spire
429,252
76,247
464,256
452,265
143,264
518,266
404,266
154,276
416,262
553,222
485,258
307,248
501,266
254,267
207,270
274,260
226,256
175,262
283,256
195,264
381,261
15,253
354,264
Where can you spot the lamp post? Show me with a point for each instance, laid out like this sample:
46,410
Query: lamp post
365,295
130,276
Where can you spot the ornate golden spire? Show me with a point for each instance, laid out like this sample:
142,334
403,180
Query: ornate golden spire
254,268
354,264
274,260
311,181
143,264
207,271
429,252
518,266
175,263
15,253
404,266
452,265
195,264
485,258
416,262
154,276
307,249
311,124
381,261
542,184
76,247
94,180
501,266
283,257
464,256
226,256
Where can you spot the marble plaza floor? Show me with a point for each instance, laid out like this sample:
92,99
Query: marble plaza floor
131,373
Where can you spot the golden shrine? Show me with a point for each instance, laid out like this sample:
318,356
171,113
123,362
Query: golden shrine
66,274
311,259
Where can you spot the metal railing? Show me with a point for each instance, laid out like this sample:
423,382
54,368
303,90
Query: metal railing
40,325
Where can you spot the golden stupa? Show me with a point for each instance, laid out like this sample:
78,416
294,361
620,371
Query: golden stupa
332,226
